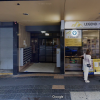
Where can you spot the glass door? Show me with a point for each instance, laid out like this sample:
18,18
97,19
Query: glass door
49,53
34,44
56,42
47,49
42,47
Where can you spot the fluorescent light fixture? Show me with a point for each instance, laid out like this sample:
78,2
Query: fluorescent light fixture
25,14
43,31
85,30
46,34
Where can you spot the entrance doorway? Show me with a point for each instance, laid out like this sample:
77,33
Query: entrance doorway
44,52
44,49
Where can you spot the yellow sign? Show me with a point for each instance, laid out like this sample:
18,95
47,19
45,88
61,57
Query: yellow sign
71,40
96,64
69,32
77,24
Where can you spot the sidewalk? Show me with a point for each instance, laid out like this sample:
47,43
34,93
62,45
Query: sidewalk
49,88
6,72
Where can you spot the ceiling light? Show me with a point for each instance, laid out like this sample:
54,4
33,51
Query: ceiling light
25,13
46,34
18,3
69,17
43,31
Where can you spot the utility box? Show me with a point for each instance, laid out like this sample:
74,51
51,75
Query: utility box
58,57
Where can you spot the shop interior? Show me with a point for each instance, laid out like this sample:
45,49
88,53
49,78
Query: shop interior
91,40
43,52
73,55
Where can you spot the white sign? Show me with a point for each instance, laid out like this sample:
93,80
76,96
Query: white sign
96,64
82,25
96,72
73,34
73,38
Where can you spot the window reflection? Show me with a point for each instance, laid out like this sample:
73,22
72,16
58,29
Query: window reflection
73,51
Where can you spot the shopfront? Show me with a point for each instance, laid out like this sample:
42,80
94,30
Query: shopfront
78,37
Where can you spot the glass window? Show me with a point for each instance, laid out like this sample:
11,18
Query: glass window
91,41
56,34
73,51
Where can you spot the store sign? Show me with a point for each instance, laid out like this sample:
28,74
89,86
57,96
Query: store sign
82,25
74,33
96,64
73,38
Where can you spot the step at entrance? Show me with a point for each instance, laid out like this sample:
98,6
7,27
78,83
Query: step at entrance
73,73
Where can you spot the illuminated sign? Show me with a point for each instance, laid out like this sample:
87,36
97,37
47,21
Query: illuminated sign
73,38
74,33
82,24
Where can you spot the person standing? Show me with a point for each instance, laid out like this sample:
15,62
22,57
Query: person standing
87,65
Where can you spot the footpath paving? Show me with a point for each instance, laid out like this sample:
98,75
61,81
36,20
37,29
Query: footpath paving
49,88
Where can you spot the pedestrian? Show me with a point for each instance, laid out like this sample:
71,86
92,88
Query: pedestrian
87,64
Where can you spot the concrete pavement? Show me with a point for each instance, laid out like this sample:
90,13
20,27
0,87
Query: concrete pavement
49,88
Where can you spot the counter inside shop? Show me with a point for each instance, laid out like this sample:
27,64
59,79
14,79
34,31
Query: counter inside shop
73,63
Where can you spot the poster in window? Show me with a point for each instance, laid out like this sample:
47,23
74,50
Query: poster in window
84,45
97,51
97,46
93,41
97,41
93,46
93,53
97,56
88,41
84,50
84,41
96,64
89,46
